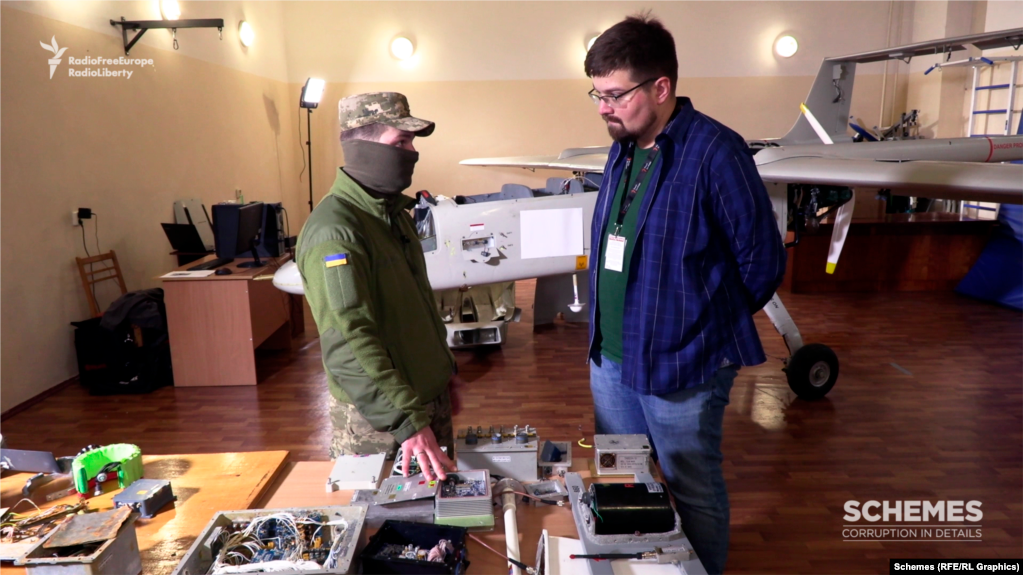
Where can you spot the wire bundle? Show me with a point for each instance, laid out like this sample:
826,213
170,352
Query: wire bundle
285,537
20,527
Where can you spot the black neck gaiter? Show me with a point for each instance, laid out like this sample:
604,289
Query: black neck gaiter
379,167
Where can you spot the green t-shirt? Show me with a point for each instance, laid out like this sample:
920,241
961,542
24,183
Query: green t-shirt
611,284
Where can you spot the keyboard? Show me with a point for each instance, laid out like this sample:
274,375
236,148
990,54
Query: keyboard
212,264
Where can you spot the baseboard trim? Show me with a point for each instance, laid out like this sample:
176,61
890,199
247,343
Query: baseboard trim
37,399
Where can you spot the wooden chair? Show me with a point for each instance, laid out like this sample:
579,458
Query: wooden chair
111,270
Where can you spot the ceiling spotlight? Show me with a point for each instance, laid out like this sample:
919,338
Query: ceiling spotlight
589,44
246,33
402,48
786,46
170,9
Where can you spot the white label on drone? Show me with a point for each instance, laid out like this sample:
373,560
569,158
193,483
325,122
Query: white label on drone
501,459
476,227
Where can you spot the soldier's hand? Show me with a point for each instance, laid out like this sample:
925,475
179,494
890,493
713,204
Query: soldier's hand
432,460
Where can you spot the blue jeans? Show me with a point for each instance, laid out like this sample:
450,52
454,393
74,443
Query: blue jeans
684,428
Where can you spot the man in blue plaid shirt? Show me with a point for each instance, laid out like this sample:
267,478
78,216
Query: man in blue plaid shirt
689,250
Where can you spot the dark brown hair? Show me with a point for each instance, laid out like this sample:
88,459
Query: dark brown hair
639,44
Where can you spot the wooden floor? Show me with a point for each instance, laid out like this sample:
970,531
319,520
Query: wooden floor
929,406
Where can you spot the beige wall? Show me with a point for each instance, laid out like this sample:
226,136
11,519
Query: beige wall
266,58
347,42
127,148
943,97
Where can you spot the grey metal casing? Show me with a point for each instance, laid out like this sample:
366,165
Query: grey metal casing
621,454
198,560
416,511
507,459
117,556
600,544
469,506
559,468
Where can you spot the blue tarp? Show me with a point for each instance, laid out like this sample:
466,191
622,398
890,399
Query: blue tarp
998,274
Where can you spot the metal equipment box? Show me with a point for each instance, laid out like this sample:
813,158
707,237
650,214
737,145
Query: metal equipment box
117,556
559,467
501,453
465,500
200,557
621,454
147,496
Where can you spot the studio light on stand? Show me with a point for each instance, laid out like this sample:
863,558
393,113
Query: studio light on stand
312,91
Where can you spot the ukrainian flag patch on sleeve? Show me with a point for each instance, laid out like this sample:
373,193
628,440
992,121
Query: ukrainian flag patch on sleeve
336,260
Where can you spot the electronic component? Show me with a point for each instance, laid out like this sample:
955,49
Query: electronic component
413,464
297,540
397,489
505,452
465,499
417,511
551,491
623,508
555,458
594,543
118,555
621,454
147,496
22,532
403,547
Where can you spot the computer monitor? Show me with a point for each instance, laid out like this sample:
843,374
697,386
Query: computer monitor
250,223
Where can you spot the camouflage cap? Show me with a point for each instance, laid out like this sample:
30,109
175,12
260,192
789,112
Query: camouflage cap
388,108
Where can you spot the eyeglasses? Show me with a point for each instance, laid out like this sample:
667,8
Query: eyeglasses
616,101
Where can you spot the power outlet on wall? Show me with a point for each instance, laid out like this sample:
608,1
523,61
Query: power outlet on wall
80,214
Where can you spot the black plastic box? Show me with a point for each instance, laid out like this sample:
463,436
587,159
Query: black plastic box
419,534
626,508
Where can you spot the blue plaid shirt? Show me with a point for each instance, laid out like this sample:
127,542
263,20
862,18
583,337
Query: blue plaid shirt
707,256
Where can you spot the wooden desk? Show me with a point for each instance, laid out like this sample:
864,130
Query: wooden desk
204,484
302,484
216,323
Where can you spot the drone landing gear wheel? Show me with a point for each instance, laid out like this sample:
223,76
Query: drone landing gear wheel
812,371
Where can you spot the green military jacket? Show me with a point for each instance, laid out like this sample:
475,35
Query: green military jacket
384,345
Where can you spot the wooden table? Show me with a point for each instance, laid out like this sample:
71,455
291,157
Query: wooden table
203,483
216,323
302,484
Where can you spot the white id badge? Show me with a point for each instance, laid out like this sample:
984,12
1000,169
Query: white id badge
614,256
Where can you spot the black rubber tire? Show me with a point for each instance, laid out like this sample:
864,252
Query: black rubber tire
812,371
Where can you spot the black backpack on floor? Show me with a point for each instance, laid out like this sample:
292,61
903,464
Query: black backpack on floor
127,349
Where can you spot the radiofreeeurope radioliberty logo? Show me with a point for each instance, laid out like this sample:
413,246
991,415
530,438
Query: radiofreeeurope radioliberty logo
912,521
57,53
93,61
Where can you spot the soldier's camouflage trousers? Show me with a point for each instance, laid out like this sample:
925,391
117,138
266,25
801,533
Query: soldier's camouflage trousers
353,435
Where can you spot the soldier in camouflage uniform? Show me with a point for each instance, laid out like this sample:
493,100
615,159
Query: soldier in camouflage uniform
384,345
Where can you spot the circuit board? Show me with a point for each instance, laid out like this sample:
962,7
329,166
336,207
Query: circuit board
310,541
